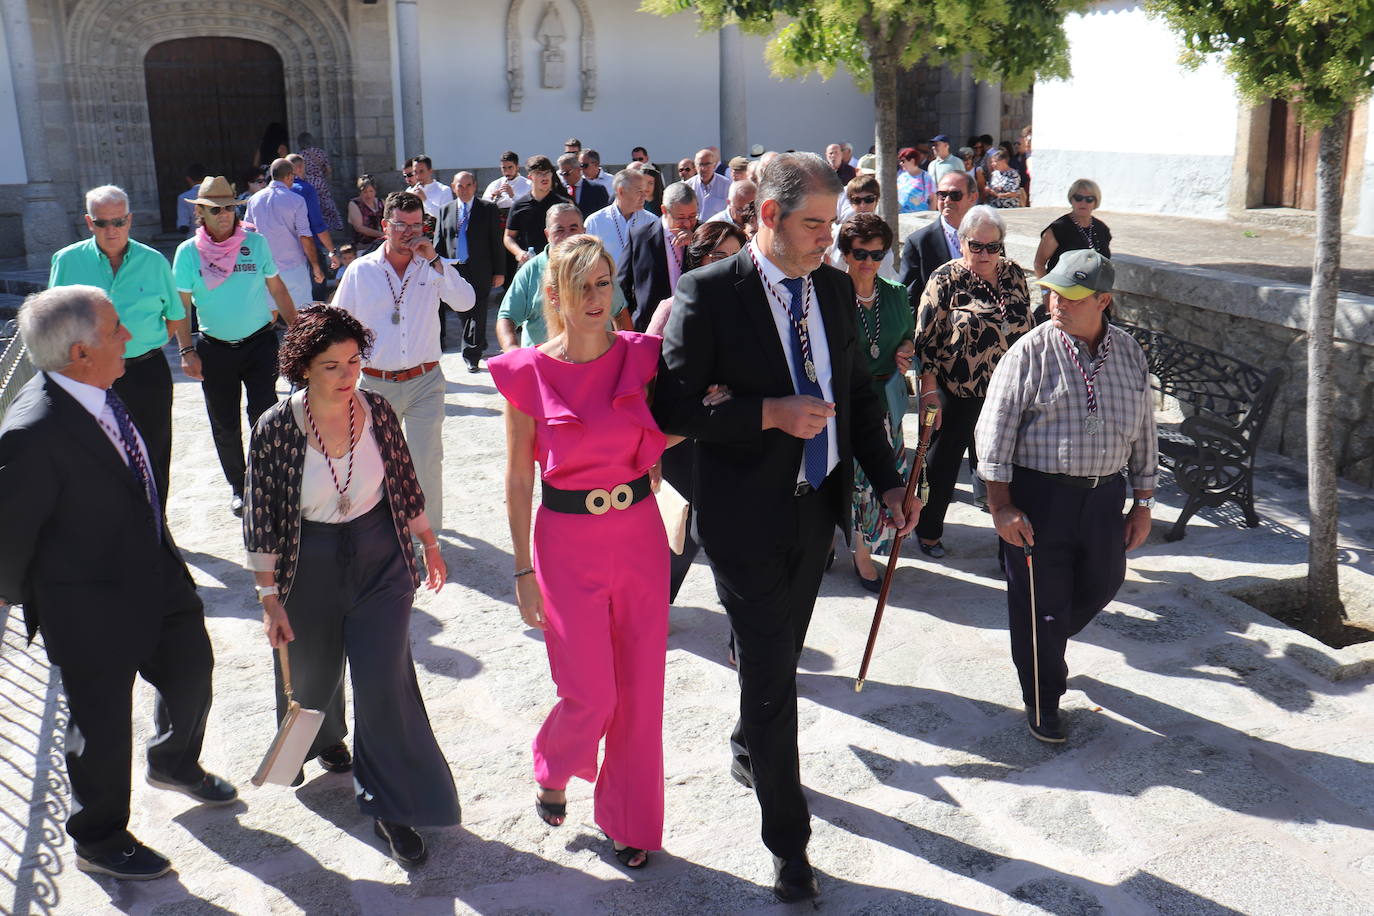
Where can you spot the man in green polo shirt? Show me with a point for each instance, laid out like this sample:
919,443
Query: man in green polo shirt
138,281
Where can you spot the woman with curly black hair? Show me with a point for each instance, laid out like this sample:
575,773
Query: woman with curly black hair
332,505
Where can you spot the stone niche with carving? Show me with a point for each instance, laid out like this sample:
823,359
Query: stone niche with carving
551,34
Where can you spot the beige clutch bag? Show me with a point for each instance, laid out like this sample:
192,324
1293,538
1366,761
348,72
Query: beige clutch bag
298,729
673,508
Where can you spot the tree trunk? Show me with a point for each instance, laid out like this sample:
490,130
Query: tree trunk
883,62
1324,612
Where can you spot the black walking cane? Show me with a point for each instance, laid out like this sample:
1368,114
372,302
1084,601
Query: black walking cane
922,446
1035,641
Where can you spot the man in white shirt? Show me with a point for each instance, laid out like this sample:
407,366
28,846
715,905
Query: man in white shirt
419,175
511,185
592,171
614,224
395,292
742,194
712,190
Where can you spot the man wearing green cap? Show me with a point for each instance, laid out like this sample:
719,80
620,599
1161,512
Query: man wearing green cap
1068,407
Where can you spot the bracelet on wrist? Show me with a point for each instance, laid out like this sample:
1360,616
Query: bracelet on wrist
434,546
928,394
524,572
184,350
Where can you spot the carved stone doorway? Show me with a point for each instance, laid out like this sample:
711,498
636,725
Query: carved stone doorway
209,100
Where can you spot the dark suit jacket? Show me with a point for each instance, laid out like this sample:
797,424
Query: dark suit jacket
590,197
721,331
923,252
78,547
643,272
486,254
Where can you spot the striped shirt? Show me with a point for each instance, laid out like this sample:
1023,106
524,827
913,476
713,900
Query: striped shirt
1037,403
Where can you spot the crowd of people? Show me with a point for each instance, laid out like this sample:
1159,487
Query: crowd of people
745,333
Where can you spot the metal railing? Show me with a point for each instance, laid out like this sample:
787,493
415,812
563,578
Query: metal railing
15,370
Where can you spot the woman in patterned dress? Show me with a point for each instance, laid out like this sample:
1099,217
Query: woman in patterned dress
1004,182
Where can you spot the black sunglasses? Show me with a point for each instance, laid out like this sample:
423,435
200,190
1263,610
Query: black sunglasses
954,196
864,199
1084,199
407,174
118,222
868,254
216,211
980,247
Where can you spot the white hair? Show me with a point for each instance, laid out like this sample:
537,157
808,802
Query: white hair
979,216
677,193
105,194
624,177
55,319
740,188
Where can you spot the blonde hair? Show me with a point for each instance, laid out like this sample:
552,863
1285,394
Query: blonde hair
1086,186
571,262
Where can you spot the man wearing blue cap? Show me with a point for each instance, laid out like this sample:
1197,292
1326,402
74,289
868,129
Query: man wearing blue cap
1068,407
944,161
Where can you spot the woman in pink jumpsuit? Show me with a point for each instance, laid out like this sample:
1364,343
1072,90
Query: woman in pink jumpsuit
597,580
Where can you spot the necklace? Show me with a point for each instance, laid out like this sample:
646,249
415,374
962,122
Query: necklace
395,299
1000,301
877,332
344,501
1092,423
1088,233
563,350
798,322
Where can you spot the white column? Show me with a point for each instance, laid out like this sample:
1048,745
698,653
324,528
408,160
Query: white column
734,120
987,111
408,56
46,227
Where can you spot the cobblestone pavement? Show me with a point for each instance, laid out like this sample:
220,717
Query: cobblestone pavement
1209,769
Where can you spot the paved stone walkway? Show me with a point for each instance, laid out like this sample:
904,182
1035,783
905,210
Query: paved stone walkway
1209,770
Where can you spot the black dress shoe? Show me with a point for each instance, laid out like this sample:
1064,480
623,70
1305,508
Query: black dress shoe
138,863
407,847
210,790
474,368
336,759
795,879
741,774
236,505
1050,729
870,585
934,551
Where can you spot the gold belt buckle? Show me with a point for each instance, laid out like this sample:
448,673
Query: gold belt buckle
598,501
622,496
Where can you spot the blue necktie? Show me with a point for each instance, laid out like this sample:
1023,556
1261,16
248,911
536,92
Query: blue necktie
135,454
816,450
463,236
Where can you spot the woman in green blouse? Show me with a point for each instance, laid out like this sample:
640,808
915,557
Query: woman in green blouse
886,330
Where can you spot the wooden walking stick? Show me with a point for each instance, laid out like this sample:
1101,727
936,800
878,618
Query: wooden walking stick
1035,638
922,446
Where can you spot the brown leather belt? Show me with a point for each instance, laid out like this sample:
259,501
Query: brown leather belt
404,375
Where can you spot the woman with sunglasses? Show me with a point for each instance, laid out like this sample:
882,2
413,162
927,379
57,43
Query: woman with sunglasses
1076,229
886,328
973,309
861,195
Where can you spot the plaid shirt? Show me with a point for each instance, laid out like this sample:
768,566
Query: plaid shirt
1037,402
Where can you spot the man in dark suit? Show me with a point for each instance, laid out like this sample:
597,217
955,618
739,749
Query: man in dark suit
86,551
938,242
649,272
469,234
588,195
775,463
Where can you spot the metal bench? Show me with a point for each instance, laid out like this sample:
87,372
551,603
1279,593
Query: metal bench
1226,402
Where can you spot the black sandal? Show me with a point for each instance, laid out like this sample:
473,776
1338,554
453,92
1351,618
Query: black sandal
549,810
626,854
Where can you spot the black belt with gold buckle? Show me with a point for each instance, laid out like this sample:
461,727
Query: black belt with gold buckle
598,501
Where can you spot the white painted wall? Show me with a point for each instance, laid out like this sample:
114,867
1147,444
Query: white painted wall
12,169
1364,222
1156,137
656,87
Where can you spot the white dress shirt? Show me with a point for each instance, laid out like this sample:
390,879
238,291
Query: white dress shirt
93,399
780,307
723,217
366,292
611,226
519,184
436,195
710,198
603,178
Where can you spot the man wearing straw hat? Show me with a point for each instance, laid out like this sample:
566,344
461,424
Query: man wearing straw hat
1068,407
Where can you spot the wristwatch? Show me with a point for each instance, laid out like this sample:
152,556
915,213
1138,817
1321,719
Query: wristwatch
1148,503
265,590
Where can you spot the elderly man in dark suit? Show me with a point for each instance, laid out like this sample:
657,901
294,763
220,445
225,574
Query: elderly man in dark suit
469,235
938,242
775,463
649,272
86,551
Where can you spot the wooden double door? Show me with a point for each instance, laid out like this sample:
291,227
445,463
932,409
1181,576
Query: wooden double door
210,101
1290,178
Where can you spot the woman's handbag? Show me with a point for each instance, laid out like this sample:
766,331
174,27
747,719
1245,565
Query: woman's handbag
673,508
298,729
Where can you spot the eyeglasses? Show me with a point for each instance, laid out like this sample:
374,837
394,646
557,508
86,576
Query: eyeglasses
864,199
954,196
867,254
402,226
119,222
1084,199
980,247
407,174
215,211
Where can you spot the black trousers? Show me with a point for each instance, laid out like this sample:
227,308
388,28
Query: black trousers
472,324
958,418
99,739
1080,563
146,389
769,593
678,468
228,371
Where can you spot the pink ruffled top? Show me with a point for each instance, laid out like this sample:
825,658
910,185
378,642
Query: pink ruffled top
593,427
